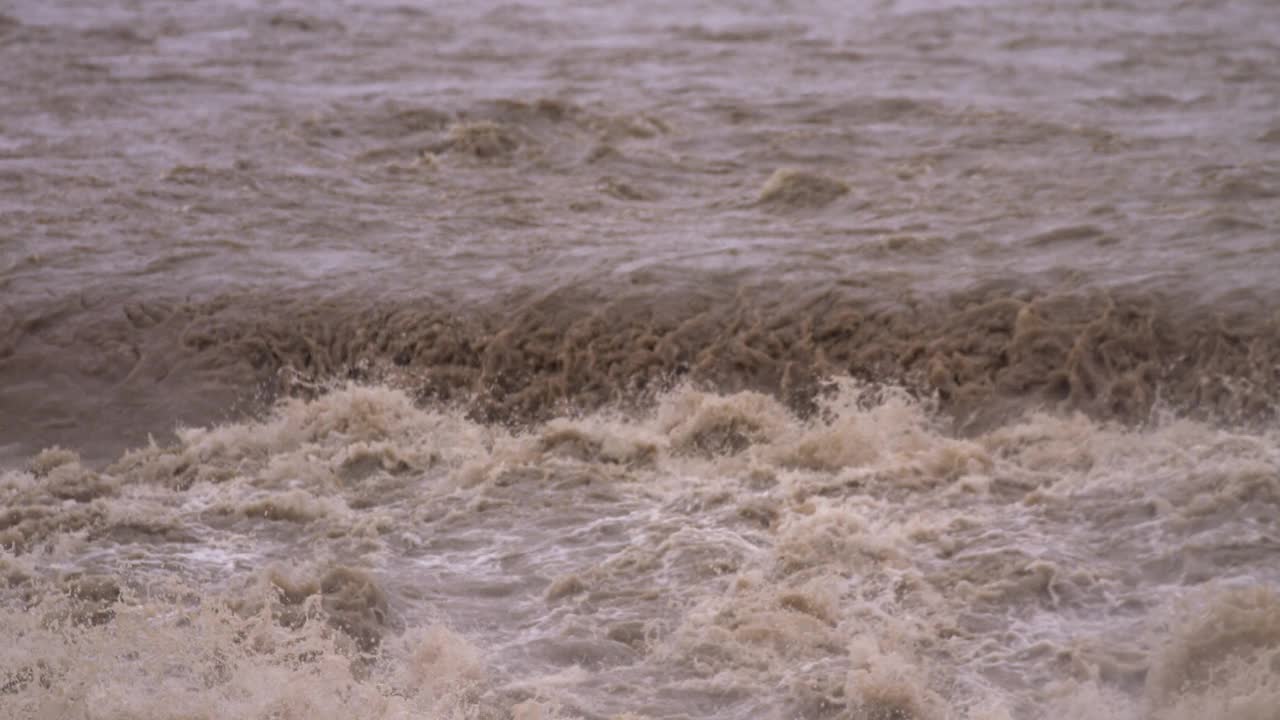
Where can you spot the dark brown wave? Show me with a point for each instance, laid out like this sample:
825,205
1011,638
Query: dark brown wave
96,374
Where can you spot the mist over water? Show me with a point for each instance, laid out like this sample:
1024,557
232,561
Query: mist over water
860,360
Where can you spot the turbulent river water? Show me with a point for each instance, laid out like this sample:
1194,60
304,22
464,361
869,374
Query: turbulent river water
863,360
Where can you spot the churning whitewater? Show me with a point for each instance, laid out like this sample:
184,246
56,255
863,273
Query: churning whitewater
359,556
847,360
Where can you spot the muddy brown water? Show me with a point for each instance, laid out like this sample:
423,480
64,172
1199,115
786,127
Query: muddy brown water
862,360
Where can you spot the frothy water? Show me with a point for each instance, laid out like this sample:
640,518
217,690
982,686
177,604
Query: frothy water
718,557
857,360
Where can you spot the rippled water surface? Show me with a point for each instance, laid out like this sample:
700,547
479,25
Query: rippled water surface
863,360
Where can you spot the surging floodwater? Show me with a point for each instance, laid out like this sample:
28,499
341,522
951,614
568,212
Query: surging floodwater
858,360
